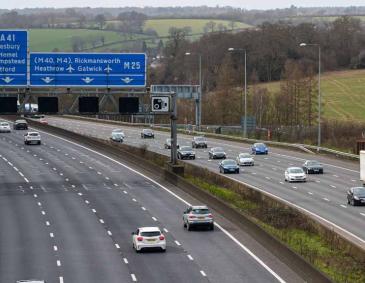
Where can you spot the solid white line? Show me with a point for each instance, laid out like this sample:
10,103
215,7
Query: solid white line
177,243
188,204
21,174
190,257
203,273
125,260
134,278
26,180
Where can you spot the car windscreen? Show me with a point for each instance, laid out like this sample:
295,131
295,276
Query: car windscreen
229,162
34,134
150,234
200,139
260,145
296,170
313,163
117,131
147,131
186,148
245,155
217,149
4,124
200,211
360,192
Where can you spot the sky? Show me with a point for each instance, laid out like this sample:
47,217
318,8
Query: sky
247,4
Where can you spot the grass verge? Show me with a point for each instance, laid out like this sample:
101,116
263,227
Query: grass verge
323,254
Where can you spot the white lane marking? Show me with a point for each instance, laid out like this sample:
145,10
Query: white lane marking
143,208
55,248
363,214
54,169
134,278
335,176
154,218
21,174
80,194
332,186
16,169
268,178
61,174
99,173
73,186
51,235
203,273
125,260
125,192
294,187
107,178
67,179
58,263
326,199
47,223
109,233
177,243
188,204
26,180
61,279
134,199
39,204
43,212
310,193
190,257
115,185
93,210
87,202
117,246
101,221
90,168
166,231
318,181
344,206
281,183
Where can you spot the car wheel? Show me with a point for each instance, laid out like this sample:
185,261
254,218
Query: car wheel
348,201
353,202
184,225
212,227
163,250
39,142
237,171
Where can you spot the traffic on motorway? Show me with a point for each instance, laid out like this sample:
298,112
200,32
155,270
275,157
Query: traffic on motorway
323,194
70,185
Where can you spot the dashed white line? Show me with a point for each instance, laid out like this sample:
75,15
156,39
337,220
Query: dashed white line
101,221
190,257
47,223
35,195
39,204
166,231
177,243
143,208
26,180
80,194
363,214
109,233
310,193
51,235
344,206
117,246
58,263
125,192
125,260
335,176
134,278
326,199
55,248
154,218
332,186
203,273
87,202
93,210
134,199
43,212
61,279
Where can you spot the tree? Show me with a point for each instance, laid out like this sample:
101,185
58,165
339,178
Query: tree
100,19
81,20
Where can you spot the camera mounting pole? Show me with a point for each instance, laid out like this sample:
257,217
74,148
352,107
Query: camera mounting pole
173,117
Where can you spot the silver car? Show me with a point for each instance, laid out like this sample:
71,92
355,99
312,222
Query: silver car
198,215
245,159
4,127
117,135
217,153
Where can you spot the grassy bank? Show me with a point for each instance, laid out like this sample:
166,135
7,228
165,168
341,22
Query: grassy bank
321,252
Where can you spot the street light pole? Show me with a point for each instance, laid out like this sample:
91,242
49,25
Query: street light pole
245,88
319,91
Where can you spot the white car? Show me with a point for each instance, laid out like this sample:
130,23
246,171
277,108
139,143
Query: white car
148,238
295,174
117,135
245,159
32,137
4,127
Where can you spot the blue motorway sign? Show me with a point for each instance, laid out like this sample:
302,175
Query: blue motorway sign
13,58
87,70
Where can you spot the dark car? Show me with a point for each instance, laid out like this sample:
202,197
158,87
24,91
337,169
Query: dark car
229,166
259,148
312,166
167,144
356,196
217,153
199,142
20,125
185,152
147,133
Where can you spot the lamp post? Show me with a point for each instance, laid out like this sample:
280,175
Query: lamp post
245,88
198,114
319,90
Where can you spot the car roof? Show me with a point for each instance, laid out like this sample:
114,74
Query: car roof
290,168
199,207
31,281
147,130
20,121
117,130
149,229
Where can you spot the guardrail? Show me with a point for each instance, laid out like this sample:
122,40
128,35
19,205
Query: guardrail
302,147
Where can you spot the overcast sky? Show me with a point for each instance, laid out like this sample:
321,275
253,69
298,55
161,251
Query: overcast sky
247,4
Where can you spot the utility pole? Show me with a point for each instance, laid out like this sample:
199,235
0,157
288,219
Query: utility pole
173,118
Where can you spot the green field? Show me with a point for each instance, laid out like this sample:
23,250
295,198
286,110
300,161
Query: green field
343,94
322,18
162,26
48,39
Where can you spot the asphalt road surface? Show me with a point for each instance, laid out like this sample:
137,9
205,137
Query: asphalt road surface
67,214
324,196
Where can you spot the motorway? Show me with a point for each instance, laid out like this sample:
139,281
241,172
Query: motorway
67,213
322,196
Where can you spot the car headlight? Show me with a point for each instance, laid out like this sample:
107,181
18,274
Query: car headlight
356,197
